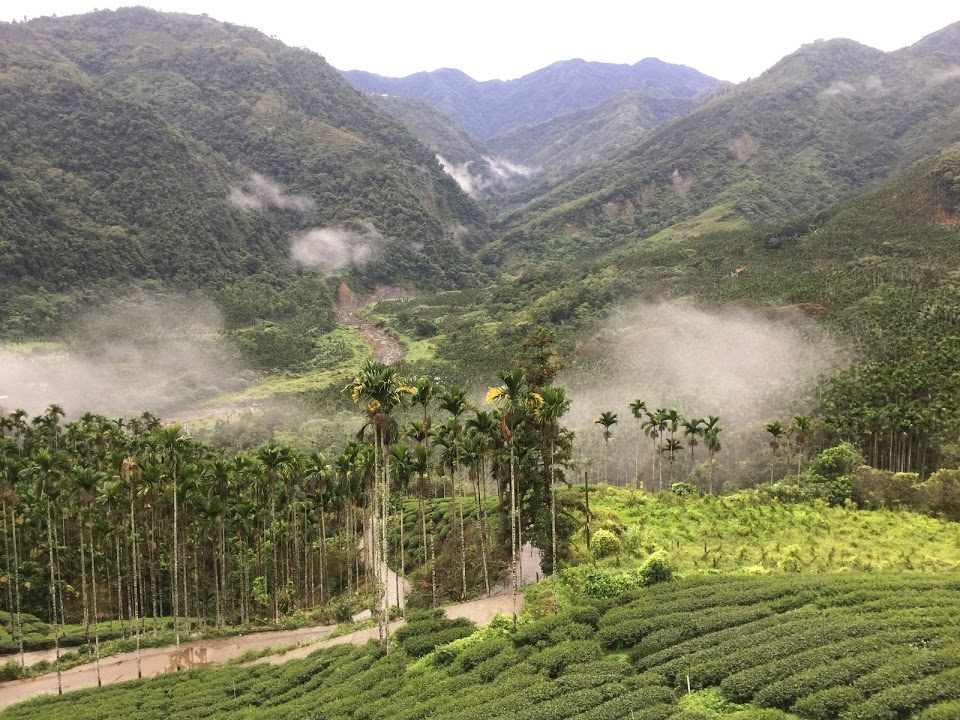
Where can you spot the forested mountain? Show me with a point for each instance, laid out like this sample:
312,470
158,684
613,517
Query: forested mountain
486,109
823,124
145,145
432,127
576,139
478,172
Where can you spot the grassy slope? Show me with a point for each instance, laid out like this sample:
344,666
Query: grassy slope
741,532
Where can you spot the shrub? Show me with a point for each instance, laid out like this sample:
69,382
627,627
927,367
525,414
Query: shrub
655,570
940,494
835,462
875,489
684,488
10,671
827,704
554,660
605,544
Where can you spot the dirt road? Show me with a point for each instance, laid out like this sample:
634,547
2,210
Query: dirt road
205,653
155,661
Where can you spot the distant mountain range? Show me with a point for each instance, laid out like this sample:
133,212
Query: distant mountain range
486,109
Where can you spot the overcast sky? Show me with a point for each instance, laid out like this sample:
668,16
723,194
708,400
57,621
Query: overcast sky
729,39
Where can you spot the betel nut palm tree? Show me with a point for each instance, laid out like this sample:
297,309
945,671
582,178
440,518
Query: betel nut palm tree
606,420
519,401
381,389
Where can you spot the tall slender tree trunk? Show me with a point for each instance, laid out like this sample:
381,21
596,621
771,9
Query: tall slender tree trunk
323,552
7,555
154,572
553,524
401,599
433,564
84,596
54,595
136,579
458,502
187,620
423,525
221,601
17,617
513,532
116,547
274,567
175,599
383,541
96,619
483,538
374,533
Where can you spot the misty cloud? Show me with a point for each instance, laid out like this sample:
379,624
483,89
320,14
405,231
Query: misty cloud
260,192
950,73
506,170
741,365
840,87
331,248
155,353
477,177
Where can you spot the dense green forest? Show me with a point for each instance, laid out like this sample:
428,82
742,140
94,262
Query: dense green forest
146,146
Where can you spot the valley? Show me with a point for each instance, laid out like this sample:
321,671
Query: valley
606,391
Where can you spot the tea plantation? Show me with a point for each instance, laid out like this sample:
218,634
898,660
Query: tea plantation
847,646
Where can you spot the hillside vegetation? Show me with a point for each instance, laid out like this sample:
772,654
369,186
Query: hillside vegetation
577,139
747,531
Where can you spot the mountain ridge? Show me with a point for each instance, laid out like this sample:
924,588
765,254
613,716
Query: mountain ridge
487,108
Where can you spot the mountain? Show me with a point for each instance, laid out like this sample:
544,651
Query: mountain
486,109
140,145
577,139
432,128
478,172
823,124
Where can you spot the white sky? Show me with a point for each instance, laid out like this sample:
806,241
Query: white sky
729,39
